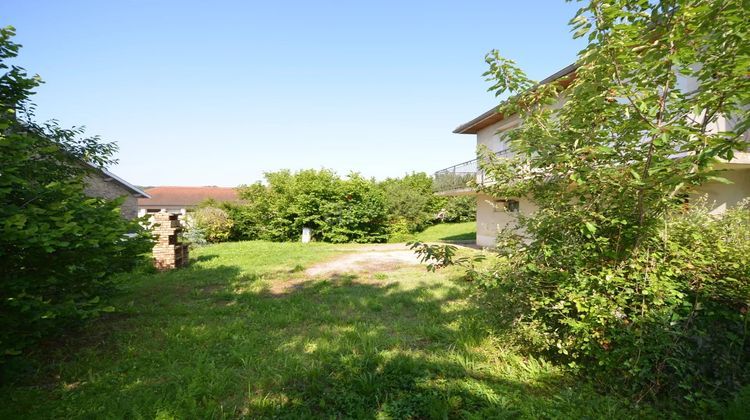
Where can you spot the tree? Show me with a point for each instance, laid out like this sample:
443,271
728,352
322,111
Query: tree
337,210
606,282
58,247
410,201
639,118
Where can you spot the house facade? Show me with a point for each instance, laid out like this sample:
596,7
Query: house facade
104,184
495,213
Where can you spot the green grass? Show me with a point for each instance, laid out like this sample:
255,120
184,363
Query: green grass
222,339
446,232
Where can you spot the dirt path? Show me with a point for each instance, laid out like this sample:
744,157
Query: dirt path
372,259
366,260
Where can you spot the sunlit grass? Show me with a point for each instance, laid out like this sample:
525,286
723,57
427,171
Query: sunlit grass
215,340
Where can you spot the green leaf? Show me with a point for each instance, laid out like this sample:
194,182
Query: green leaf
719,179
591,227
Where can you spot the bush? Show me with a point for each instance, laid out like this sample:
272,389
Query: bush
244,220
411,204
399,230
337,210
193,235
58,247
458,209
352,209
213,223
670,320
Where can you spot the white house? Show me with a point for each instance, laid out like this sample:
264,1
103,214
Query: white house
493,213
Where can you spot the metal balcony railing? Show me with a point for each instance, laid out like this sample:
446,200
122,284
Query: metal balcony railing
460,176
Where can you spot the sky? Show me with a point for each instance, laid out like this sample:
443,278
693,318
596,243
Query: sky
219,92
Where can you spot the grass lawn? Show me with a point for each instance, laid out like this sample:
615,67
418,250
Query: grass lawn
447,232
223,339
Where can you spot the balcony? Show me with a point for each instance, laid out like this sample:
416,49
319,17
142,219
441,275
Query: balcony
460,179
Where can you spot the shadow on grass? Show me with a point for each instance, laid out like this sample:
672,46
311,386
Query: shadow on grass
394,353
202,258
469,236
192,344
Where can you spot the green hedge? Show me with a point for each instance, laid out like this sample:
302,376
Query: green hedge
349,209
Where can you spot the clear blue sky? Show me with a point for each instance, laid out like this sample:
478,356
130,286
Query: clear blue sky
216,93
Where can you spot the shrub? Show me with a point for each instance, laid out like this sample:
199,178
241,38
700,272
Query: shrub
669,320
411,204
351,209
193,235
458,209
214,223
672,319
58,247
613,277
399,230
337,210
358,216
244,220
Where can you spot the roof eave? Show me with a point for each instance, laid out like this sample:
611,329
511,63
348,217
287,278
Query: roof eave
128,186
492,116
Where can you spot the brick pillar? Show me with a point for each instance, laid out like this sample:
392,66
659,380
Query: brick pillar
168,252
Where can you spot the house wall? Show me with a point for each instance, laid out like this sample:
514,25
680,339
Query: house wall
97,186
718,196
721,196
490,221
489,136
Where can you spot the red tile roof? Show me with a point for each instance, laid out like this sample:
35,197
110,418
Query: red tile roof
185,196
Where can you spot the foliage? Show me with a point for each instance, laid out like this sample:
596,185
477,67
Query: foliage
636,134
399,230
612,277
458,209
669,320
737,409
672,319
446,181
350,209
411,204
193,235
213,223
439,256
244,220
58,247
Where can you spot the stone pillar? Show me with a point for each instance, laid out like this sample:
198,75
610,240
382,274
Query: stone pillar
168,252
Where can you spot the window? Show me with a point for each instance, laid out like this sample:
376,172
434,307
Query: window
510,206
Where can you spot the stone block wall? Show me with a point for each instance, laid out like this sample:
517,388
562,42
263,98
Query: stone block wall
97,186
168,252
